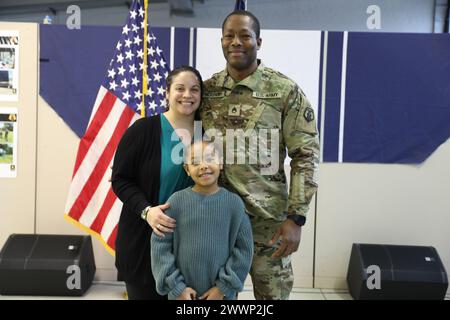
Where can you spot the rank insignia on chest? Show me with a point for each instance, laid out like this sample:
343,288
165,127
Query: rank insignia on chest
234,110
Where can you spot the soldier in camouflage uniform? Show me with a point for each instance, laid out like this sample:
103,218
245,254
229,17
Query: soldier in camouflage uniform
249,96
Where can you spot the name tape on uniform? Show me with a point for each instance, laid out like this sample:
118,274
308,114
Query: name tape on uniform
266,95
214,94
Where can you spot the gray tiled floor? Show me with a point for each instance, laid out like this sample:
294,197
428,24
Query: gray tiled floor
115,291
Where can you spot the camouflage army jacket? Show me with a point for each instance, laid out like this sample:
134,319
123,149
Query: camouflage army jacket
256,120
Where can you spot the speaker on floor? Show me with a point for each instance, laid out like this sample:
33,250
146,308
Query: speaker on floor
378,271
34,264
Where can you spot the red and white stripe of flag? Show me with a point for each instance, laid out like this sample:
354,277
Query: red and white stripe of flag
91,201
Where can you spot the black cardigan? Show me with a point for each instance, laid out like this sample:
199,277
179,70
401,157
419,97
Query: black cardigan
136,182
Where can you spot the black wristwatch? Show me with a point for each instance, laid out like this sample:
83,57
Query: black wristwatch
298,219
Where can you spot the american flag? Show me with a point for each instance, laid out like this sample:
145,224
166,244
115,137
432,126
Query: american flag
91,203
240,5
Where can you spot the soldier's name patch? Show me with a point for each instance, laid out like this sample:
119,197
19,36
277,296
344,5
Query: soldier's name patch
214,94
266,95
308,114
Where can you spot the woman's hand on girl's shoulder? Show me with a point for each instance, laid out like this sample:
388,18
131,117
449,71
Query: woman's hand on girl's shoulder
159,221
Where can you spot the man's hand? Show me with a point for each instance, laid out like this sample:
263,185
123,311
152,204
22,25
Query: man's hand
290,233
160,222
213,293
187,294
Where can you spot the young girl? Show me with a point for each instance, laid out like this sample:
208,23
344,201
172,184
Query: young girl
209,254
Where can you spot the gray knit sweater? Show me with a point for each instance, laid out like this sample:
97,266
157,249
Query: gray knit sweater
212,245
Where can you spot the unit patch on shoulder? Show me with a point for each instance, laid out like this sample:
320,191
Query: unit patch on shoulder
309,114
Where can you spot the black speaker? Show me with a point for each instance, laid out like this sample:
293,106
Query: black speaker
378,271
53,265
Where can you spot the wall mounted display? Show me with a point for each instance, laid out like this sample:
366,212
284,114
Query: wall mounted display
9,65
8,142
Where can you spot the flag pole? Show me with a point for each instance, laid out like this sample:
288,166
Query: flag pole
240,5
144,69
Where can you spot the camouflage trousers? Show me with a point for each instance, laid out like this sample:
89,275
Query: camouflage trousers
272,278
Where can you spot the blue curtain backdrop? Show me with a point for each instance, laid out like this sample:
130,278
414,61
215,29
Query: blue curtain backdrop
397,92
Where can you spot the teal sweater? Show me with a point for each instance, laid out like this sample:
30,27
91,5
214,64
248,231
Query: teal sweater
212,245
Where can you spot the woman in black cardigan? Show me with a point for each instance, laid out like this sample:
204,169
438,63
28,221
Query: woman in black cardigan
136,180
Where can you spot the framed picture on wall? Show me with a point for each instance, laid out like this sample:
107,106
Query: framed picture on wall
9,65
8,142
